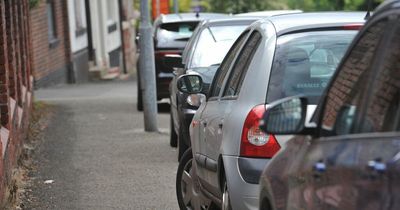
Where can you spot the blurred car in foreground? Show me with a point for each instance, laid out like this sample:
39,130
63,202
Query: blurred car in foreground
349,156
171,33
274,58
202,56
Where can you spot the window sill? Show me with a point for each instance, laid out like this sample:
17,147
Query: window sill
80,32
53,43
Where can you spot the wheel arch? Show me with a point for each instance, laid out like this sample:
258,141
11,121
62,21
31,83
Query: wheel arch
221,173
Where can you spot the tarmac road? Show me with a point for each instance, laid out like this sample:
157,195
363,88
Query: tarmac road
96,151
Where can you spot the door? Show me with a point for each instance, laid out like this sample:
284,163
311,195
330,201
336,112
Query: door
229,96
212,114
347,167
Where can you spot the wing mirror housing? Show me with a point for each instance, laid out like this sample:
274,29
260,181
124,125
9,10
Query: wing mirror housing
190,84
196,99
174,61
285,117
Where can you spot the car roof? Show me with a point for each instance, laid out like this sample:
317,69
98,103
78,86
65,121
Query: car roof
228,21
267,13
182,17
303,21
388,4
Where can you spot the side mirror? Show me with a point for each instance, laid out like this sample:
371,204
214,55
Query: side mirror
174,61
191,84
286,116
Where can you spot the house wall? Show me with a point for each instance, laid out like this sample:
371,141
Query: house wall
15,89
106,34
129,35
51,57
78,37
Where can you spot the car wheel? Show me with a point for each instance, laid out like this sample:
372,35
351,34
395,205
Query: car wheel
182,147
226,200
173,138
139,104
187,186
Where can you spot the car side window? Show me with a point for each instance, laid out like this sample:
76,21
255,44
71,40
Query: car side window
348,92
241,65
225,66
382,112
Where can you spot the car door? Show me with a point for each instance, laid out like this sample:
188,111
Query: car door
229,97
346,168
212,113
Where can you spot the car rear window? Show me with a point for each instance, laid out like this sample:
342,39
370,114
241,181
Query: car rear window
305,62
175,35
214,43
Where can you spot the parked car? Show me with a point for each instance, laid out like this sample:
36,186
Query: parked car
218,35
171,33
274,58
348,156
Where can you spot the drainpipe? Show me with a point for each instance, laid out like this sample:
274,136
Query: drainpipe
121,19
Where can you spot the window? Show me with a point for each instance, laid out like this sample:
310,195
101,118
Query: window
112,11
175,34
305,62
80,24
348,92
218,38
51,21
241,65
383,110
225,66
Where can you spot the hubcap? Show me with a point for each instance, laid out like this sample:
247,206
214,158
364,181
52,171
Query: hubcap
225,199
190,188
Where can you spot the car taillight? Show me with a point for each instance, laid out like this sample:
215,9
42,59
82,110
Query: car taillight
255,143
164,53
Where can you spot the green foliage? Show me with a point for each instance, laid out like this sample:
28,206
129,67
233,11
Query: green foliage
33,3
239,6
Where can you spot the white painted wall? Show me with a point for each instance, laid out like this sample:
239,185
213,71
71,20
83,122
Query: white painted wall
103,41
77,42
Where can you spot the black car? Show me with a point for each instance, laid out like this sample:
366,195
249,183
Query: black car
348,157
202,55
171,33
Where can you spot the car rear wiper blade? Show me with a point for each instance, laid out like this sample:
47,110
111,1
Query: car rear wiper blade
182,39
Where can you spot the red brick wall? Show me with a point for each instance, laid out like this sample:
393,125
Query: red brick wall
47,59
15,88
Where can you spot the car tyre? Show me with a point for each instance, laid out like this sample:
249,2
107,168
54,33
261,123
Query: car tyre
226,200
173,137
187,186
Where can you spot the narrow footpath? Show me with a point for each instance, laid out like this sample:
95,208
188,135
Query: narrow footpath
98,155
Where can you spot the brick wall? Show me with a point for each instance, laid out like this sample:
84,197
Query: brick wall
51,58
129,35
15,88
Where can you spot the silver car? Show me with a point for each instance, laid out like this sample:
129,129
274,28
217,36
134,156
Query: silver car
274,58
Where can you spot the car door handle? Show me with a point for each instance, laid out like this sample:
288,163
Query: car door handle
318,169
220,125
377,165
204,123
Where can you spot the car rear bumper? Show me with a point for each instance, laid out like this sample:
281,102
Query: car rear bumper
243,195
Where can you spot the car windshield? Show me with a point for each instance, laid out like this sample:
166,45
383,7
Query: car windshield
305,62
175,35
214,43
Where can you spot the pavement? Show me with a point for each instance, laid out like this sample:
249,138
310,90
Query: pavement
96,151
